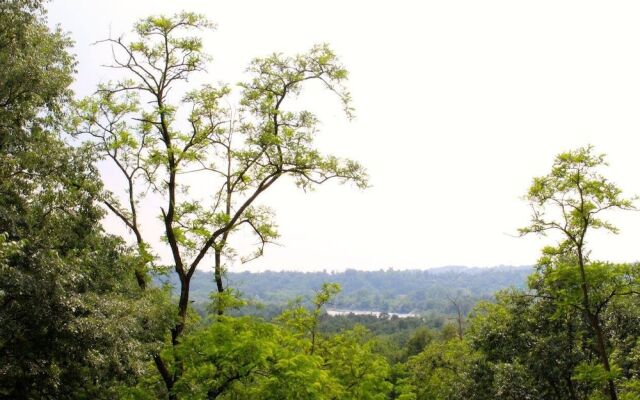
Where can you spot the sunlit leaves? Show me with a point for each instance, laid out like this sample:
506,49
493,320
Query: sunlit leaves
351,360
305,321
166,142
243,358
571,197
241,148
569,200
36,68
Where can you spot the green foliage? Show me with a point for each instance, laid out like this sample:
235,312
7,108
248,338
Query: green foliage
420,339
444,370
424,293
513,382
594,373
305,322
36,69
361,373
240,151
243,151
74,324
228,300
577,193
349,357
80,317
72,315
246,358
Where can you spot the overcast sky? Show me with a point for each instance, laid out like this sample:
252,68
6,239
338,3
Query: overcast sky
459,105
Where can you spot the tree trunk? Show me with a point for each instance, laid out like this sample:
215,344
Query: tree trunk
219,284
602,352
594,322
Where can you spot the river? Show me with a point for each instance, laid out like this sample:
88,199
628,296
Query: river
374,313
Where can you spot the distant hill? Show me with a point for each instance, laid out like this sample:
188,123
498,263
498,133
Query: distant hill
401,291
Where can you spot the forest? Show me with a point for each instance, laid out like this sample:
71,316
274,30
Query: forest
88,314
392,291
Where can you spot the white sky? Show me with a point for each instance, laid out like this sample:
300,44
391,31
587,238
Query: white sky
459,105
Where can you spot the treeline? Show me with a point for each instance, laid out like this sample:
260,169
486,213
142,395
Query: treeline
400,291
82,314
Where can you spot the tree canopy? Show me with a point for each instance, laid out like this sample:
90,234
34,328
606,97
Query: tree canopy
88,314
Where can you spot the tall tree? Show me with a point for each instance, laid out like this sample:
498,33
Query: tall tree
69,319
161,142
570,200
349,356
529,334
36,70
443,370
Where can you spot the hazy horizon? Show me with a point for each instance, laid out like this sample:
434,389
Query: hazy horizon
390,268
459,105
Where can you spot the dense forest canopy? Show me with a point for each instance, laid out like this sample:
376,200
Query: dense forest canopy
87,314
394,291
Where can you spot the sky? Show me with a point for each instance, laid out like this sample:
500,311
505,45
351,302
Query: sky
459,104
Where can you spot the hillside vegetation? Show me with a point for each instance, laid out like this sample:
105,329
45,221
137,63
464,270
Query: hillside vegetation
397,291
85,314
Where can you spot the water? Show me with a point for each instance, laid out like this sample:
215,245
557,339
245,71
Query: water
376,314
